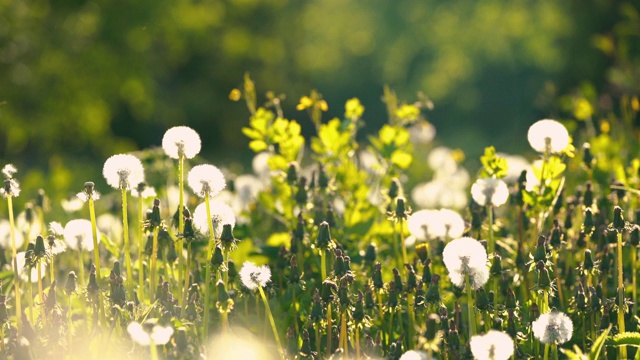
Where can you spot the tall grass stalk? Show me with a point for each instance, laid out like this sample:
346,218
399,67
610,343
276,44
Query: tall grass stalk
154,264
272,321
182,271
140,230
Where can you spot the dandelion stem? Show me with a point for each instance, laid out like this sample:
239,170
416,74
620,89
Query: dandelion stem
402,244
207,278
40,292
52,275
343,334
621,301
634,256
127,253
153,349
154,257
411,316
140,247
16,278
554,255
329,328
323,264
472,319
318,340
491,242
273,323
357,342
186,277
294,305
390,334
30,299
546,351
182,271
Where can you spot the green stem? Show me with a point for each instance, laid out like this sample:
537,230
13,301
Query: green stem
390,335
329,328
402,244
271,320
554,255
127,252
154,350
546,351
621,303
411,320
344,343
182,271
30,299
52,275
358,342
207,278
40,292
318,340
294,305
634,255
491,242
140,247
16,278
472,319
323,264
154,264
96,253
186,278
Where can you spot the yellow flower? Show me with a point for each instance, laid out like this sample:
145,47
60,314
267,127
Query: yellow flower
582,109
305,103
235,95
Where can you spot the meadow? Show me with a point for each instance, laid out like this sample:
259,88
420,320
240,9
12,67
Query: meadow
338,245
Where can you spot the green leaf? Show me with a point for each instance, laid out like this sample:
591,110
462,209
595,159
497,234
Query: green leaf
594,354
625,339
574,355
493,165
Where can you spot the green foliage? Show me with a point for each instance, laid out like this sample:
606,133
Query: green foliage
493,165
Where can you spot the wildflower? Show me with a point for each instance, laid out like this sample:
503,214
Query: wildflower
548,133
466,256
254,276
221,214
489,191
5,235
11,185
206,180
88,193
415,355
553,328
422,132
421,224
78,235
123,171
452,224
494,345
23,266
144,191
181,141
72,204
149,332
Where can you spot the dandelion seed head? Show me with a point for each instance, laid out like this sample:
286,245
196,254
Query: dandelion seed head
181,140
466,256
221,214
8,171
490,191
144,334
415,355
5,235
84,196
123,171
553,328
148,192
260,165
548,131
253,276
56,229
494,345
206,180
72,205
78,235
11,187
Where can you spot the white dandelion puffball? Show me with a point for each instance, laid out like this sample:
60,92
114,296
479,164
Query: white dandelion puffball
123,171
22,271
253,276
551,131
421,224
5,235
466,256
515,165
553,328
148,192
181,140
415,355
452,224
78,235
489,191
221,214
206,180
143,335
494,345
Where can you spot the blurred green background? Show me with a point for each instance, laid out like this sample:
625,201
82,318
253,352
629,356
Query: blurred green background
82,80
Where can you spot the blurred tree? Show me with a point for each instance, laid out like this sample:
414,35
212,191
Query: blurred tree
86,79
